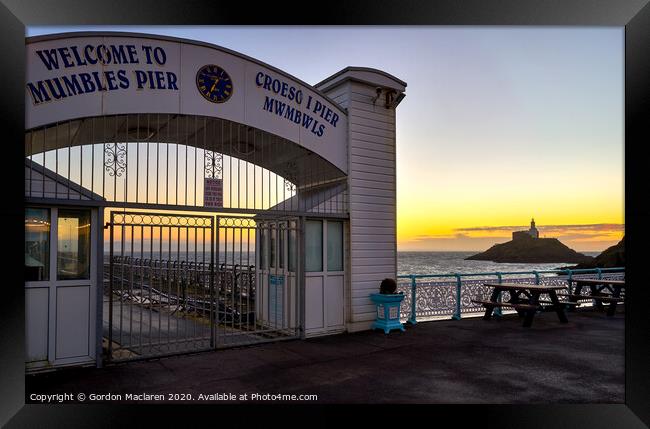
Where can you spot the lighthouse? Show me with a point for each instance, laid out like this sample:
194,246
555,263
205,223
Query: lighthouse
533,231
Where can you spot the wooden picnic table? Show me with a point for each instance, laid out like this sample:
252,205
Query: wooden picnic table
525,298
602,290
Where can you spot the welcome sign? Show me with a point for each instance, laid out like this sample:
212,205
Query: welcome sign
69,85
79,75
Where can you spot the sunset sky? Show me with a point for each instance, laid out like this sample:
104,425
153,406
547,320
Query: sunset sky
499,124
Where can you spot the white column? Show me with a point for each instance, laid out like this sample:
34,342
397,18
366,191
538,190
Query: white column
370,97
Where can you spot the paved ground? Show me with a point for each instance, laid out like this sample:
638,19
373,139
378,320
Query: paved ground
468,361
136,328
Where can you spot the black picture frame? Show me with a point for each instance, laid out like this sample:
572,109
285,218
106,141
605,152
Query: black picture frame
634,15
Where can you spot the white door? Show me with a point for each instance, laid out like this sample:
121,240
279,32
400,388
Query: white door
324,277
60,286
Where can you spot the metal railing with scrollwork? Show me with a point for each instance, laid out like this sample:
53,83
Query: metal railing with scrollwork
434,296
159,283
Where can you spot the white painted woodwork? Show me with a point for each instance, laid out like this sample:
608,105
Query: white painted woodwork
60,315
371,183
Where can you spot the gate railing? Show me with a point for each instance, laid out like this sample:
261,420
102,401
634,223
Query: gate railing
233,280
432,296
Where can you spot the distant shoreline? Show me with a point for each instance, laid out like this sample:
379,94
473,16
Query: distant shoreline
586,252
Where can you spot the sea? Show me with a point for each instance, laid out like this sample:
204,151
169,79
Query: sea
454,262
407,262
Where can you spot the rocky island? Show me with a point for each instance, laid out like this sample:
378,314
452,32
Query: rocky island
611,257
527,247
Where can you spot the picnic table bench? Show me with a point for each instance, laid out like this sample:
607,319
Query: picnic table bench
525,299
602,290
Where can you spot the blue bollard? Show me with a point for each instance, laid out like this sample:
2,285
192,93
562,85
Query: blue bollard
388,311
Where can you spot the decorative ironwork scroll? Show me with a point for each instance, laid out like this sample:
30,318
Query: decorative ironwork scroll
213,164
115,158
290,177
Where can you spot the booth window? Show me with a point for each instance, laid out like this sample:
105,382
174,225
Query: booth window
73,255
313,246
334,246
37,244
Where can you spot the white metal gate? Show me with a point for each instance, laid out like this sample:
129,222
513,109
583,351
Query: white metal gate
257,283
160,297
181,283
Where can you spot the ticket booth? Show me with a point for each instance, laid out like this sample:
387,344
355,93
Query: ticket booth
61,273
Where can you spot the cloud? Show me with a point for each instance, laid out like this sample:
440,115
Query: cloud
456,242
586,237
492,228
598,227
567,232
457,236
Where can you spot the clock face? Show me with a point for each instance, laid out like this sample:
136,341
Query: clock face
213,83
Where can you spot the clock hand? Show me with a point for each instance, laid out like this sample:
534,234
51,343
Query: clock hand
214,84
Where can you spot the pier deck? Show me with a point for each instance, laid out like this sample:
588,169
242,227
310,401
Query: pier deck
433,362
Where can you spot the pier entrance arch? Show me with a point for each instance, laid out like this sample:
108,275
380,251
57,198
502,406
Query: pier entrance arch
199,240
170,143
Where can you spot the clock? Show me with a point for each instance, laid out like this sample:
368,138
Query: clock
214,83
